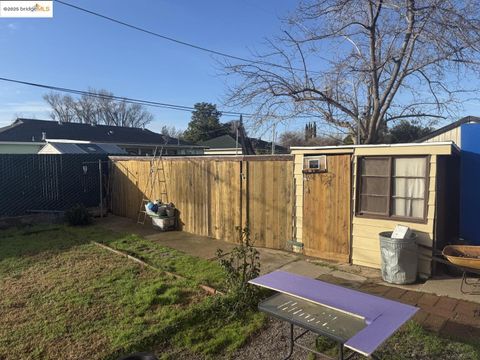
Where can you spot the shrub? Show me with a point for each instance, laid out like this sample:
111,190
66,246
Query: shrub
78,216
241,265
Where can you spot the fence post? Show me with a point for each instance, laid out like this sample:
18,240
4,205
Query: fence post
101,186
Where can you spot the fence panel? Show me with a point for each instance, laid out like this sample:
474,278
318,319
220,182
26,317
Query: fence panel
270,202
215,196
31,182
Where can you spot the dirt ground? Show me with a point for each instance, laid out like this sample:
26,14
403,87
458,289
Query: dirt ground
270,343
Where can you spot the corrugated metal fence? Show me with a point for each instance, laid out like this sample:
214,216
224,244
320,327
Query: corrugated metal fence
216,196
31,182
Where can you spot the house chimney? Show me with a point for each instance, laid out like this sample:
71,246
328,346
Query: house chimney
59,122
44,136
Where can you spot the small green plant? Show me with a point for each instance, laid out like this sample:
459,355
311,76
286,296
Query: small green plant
241,265
78,215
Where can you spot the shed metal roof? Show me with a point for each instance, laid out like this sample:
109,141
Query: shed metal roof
82,148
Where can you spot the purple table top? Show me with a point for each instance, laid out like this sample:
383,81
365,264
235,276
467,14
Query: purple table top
382,316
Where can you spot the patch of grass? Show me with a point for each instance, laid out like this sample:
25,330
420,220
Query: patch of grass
63,297
199,270
413,342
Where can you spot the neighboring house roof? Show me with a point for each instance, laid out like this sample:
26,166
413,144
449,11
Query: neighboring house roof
221,142
266,146
228,142
81,148
30,130
464,120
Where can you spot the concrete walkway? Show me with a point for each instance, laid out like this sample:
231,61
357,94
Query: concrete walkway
443,308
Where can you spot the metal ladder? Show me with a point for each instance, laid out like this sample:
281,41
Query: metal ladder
156,175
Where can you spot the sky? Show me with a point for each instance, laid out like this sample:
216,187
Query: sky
80,51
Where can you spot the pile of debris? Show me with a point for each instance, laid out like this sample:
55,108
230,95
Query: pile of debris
163,215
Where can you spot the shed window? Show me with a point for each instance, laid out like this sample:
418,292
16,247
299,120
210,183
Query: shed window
392,187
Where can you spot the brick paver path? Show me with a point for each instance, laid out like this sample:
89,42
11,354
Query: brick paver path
440,314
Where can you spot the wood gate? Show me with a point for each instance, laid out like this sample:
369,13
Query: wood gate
326,210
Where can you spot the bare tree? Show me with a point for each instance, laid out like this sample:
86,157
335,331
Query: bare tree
359,64
297,138
172,131
100,108
62,107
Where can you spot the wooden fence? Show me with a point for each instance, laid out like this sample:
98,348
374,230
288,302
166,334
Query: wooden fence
215,196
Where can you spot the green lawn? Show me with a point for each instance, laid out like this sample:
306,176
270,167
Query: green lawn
63,297
413,342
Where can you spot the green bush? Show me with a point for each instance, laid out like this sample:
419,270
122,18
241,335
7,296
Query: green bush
241,265
78,216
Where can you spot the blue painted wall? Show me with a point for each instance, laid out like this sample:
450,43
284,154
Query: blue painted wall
470,183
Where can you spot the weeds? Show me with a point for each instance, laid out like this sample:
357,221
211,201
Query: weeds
241,265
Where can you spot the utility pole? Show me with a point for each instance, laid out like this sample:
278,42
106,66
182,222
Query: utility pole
101,186
236,134
273,139
358,130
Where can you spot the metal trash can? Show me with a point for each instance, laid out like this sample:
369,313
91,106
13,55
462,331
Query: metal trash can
399,258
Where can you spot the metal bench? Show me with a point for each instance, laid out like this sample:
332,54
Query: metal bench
355,320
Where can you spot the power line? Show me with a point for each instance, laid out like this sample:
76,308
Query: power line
119,98
177,41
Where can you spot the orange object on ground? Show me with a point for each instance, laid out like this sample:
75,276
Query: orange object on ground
463,255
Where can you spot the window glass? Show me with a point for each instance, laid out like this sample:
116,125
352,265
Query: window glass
375,186
409,187
393,187
408,208
410,167
374,204
375,167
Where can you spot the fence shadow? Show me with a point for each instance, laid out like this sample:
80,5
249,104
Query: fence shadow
31,242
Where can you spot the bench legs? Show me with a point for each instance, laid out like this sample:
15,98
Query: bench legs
292,343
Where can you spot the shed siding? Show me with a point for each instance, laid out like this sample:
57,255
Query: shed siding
19,149
364,238
454,135
365,241
298,175
49,149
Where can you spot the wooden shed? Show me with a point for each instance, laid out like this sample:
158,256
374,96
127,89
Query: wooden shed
346,195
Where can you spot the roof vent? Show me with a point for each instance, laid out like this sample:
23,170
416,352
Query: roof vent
59,122
44,136
33,138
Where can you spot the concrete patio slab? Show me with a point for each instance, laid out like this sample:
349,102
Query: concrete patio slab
271,260
305,268
348,276
442,287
